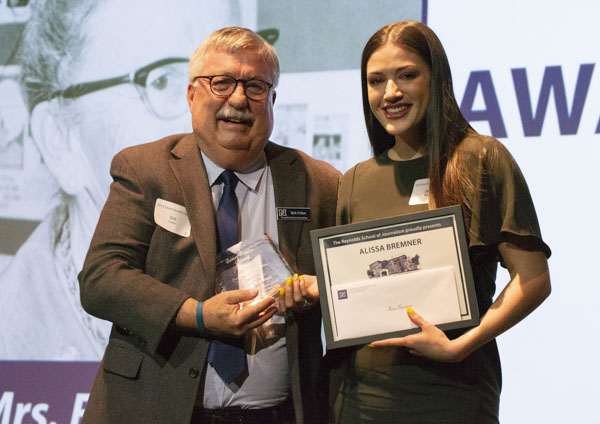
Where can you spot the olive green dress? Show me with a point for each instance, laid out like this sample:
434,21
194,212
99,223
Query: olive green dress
387,384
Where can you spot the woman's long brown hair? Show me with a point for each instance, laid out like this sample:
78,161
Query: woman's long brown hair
445,126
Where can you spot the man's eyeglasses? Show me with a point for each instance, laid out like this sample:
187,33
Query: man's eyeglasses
161,84
224,85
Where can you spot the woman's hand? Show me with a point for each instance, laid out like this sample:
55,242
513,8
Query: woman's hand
298,293
529,286
431,342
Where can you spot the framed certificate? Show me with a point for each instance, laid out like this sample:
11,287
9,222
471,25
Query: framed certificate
370,272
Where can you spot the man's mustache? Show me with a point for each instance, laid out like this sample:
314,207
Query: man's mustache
243,116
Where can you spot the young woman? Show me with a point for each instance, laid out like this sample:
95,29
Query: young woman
418,133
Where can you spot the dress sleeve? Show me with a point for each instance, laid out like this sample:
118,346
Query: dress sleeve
502,208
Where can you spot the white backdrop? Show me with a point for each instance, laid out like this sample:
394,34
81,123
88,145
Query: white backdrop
550,360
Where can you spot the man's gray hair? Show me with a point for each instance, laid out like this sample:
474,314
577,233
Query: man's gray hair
232,40
52,43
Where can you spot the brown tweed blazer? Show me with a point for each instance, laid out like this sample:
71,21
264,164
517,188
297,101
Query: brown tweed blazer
138,274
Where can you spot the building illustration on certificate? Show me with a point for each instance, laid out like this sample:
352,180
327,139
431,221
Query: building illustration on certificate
397,265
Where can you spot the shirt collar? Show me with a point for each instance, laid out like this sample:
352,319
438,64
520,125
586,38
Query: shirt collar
250,180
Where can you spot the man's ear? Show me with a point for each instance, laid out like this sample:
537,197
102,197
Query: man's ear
59,146
190,94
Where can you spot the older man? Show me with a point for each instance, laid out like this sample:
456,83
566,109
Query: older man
156,282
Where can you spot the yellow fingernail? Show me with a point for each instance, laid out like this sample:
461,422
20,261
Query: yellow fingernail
282,291
301,278
295,276
288,281
410,310
370,345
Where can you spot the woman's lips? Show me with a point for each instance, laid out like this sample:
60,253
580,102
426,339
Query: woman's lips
395,112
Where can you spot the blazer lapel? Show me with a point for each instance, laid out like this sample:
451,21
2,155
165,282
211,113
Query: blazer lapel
289,184
188,167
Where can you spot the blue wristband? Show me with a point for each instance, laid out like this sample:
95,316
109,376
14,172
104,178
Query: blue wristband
200,320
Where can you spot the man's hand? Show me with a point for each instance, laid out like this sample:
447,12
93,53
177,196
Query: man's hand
223,315
298,293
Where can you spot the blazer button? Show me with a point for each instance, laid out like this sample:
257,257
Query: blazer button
194,373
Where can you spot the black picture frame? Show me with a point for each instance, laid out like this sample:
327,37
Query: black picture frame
377,234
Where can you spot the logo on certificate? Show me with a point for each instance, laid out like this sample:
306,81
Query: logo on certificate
342,294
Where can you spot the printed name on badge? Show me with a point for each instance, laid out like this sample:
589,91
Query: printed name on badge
420,193
293,214
172,217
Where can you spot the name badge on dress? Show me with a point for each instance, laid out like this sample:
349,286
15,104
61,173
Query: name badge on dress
420,193
293,214
172,217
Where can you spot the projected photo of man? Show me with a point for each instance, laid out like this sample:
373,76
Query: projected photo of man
13,116
100,76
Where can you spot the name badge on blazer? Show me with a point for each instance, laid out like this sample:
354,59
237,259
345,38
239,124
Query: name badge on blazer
172,217
293,214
